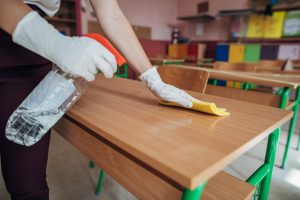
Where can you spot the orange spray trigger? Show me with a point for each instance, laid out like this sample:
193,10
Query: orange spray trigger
102,40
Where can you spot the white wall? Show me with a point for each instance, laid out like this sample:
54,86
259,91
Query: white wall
159,15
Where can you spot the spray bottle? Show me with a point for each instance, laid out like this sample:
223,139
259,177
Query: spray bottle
49,101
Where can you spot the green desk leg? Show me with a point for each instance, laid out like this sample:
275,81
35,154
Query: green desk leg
279,92
291,128
263,176
298,146
270,158
92,164
246,86
215,82
193,194
100,182
271,151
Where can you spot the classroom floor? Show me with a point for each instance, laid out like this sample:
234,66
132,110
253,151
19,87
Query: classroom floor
70,178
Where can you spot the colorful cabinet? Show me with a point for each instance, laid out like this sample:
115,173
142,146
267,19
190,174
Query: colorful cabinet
222,52
252,52
236,53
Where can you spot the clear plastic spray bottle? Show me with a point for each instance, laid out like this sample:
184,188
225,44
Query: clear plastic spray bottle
49,101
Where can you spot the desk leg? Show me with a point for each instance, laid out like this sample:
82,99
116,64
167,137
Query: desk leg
291,129
92,164
215,82
193,194
100,181
246,86
270,159
271,152
298,146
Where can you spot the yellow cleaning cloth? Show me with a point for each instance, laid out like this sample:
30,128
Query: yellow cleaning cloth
205,107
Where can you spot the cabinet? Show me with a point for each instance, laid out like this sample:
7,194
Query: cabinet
68,19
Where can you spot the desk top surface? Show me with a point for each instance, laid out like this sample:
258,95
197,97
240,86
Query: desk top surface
166,60
187,146
242,77
284,76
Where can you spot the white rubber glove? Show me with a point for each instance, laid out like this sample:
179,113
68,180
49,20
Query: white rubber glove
165,91
76,55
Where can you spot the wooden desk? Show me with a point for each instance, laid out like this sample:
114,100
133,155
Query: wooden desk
242,77
177,146
164,61
265,79
292,78
295,71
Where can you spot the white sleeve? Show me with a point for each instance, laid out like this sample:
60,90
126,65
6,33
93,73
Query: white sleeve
50,7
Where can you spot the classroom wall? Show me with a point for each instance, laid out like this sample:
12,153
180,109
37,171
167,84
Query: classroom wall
213,30
160,15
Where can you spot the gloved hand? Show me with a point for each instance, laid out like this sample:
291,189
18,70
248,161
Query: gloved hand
76,55
165,91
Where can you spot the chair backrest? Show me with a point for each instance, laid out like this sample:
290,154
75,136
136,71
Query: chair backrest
257,97
184,78
296,63
252,96
247,67
271,65
195,79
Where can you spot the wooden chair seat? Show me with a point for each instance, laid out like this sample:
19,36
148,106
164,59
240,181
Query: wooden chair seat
225,186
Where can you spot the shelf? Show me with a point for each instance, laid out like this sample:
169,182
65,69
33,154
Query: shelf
258,10
259,40
295,6
196,17
61,20
242,12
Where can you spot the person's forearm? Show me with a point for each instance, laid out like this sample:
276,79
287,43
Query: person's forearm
119,31
11,12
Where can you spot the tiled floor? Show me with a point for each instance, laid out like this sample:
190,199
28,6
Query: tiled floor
70,178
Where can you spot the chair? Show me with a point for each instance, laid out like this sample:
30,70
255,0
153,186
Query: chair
225,66
246,67
271,65
296,64
186,79
261,178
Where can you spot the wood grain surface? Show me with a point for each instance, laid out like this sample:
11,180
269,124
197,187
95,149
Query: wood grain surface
246,67
271,64
290,78
261,98
161,61
186,146
187,79
140,179
241,77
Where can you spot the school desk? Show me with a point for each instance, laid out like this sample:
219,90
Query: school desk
285,79
242,77
292,78
163,61
160,152
266,79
